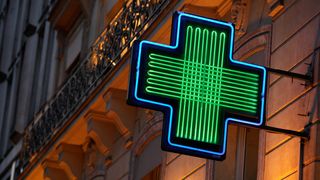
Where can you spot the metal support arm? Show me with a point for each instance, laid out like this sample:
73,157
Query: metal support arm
290,74
303,134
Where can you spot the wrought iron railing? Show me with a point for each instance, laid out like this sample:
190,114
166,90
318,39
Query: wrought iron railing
130,23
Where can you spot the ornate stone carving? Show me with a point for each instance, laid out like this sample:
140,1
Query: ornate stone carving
150,114
239,15
94,160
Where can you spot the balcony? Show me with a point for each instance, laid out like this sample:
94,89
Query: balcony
106,56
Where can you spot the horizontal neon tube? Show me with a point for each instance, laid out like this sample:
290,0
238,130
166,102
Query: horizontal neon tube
198,72
193,90
202,99
162,58
228,95
229,87
204,71
211,75
204,68
208,84
197,95
254,95
223,96
149,80
178,87
212,103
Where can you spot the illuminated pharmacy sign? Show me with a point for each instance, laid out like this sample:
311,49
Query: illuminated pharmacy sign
197,85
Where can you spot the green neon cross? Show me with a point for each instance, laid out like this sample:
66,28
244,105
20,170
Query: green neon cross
202,83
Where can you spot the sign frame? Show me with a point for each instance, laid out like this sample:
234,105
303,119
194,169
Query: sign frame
134,93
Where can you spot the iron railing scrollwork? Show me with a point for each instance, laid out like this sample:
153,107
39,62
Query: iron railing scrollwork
128,24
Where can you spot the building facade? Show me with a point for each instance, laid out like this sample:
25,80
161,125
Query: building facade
64,73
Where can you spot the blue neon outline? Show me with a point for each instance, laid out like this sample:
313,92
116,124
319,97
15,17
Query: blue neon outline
232,60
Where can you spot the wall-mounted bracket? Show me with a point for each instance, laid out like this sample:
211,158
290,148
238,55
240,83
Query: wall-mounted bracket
302,134
305,77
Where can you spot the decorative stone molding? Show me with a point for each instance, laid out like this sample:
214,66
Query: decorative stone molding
276,7
107,117
239,15
150,133
118,120
253,43
201,10
71,158
158,116
224,7
149,115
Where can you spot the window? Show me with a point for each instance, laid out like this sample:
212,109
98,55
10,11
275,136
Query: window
154,174
73,46
242,155
70,50
251,154
70,26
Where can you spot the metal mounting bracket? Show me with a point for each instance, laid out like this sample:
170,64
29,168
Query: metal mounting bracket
290,74
302,134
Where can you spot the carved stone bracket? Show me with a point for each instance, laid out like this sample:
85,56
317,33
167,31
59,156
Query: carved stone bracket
117,121
94,160
239,15
118,110
54,170
103,130
71,158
